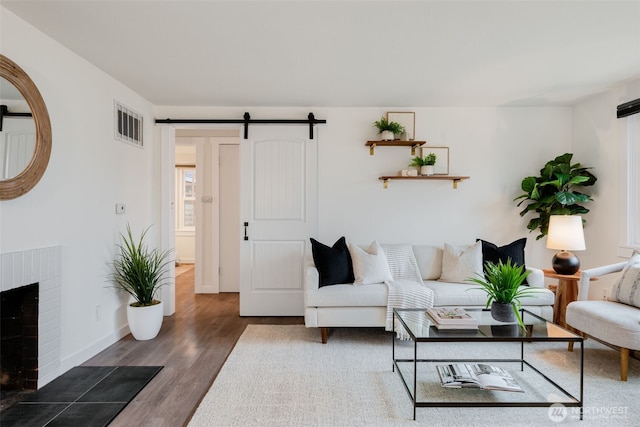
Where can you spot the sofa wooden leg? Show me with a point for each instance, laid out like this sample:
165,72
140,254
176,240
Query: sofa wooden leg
323,332
570,346
624,363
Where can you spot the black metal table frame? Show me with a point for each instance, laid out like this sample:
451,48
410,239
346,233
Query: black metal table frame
453,338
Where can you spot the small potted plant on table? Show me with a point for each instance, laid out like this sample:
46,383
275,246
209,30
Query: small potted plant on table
502,283
388,130
140,272
424,164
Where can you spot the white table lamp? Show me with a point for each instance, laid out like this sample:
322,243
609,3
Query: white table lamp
565,234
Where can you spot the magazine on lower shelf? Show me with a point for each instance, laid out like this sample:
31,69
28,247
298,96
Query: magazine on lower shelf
452,318
478,375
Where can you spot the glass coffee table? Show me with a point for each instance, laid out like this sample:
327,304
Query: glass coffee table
417,369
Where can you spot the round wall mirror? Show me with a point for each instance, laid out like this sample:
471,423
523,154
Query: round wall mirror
17,132
27,175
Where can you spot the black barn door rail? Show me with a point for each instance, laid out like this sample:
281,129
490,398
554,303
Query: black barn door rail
247,120
4,112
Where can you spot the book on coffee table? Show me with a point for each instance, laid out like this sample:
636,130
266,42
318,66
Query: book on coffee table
451,318
478,375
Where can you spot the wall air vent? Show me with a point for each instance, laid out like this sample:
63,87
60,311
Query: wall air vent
128,125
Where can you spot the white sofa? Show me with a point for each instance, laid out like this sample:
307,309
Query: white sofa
349,305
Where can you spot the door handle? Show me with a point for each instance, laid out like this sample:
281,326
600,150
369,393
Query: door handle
246,224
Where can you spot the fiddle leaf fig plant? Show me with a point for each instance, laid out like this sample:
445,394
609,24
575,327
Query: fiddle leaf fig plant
554,192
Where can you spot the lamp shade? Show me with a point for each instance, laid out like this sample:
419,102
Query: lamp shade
565,233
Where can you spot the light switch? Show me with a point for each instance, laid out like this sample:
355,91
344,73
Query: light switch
120,208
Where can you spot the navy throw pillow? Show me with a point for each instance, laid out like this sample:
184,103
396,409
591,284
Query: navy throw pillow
494,253
333,263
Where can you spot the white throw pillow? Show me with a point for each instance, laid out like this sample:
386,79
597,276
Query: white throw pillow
369,266
459,263
627,289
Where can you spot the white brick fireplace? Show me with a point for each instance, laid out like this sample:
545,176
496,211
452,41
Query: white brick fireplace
40,266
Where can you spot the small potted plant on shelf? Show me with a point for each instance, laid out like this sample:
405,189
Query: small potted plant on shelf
141,271
424,164
388,130
502,283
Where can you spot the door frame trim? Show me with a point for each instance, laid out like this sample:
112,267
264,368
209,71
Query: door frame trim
167,137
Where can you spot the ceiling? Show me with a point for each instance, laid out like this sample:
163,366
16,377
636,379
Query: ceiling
351,53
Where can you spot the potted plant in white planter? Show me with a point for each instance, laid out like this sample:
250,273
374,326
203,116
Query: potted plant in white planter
388,130
502,283
424,164
141,272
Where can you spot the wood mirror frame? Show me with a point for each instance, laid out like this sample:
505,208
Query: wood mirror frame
29,177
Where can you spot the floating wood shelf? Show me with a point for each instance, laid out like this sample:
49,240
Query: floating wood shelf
455,179
395,143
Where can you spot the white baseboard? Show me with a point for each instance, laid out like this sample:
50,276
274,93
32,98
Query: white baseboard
83,355
208,290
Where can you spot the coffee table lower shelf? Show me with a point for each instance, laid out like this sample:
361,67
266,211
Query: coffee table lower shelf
422,383
483,398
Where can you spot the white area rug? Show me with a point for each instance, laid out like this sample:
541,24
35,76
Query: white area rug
284,376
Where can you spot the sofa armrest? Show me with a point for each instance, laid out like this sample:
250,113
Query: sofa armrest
586,275
535,279
311,279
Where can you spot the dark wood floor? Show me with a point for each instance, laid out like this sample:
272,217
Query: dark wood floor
193,344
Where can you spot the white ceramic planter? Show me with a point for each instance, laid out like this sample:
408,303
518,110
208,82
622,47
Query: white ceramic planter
426,170
387,135
145,322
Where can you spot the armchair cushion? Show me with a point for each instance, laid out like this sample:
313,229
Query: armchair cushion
627,288
612,322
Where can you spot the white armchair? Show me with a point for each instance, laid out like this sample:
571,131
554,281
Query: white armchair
608,321
587,275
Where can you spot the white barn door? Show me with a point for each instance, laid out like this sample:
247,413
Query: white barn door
279,208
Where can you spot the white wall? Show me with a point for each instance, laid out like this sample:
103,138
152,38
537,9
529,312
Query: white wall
597,135
497,147
89,172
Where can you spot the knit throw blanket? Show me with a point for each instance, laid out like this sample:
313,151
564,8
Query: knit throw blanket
406,290
407,294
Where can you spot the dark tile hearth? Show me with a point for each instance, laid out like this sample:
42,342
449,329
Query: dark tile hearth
11,397
87,396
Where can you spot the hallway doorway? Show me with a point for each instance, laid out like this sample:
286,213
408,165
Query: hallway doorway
207,207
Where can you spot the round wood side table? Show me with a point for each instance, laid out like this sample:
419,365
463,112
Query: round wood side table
566,292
